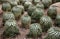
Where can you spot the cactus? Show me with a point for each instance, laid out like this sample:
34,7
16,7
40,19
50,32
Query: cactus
57,20
8,15
37,14
17,11
27,4
46,23
53,33
35,30
6,6
11,28
26,21
40,6
36,1
52,12
47,3
31,8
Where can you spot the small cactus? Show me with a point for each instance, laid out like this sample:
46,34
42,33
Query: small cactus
11,28
53,33
6,6
46,23
52,12
26,21
57,20
8,15
35,30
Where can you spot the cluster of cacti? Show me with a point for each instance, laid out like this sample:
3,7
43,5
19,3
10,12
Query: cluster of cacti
53,33
52,12
35,30
34,20
26,21
46,23
11,29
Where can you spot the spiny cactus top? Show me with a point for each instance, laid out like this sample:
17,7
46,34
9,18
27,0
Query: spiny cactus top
37,14
8,15
17,11
52,12
27,4
53,33
31,8
36,1
6,6
13,2
35,30
46,23
11,28
40,5
57,21
47,3
26,21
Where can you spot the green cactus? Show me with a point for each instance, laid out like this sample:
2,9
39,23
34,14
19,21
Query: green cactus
57,21
6,6
46,23
53,33
52,12
40,6
26,21
13,2
26,5
35,30
47,3
11,28
37,14
8,15
17,11
36,1
31,8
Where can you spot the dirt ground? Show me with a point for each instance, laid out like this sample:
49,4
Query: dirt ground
23,32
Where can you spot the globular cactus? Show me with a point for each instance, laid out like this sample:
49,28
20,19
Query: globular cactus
31,8
52,12
6,6
8,15
47,3
26,21
36,1
57,20
13,2
27,4
11,28
53,33
46,23
35,30
40,6
37,14
23,1
17,11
